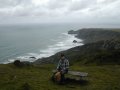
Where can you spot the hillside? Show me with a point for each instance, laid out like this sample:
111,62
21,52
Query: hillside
101,52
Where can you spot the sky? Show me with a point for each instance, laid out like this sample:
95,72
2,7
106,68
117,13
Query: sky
59,11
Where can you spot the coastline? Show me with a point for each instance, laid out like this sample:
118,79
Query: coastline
93,43
79,43
88,36
66,44
50,59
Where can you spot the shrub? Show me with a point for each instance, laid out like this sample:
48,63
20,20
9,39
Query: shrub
18,63
26,86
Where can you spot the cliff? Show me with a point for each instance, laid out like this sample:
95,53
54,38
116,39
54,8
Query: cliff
101,52
101,47
96,34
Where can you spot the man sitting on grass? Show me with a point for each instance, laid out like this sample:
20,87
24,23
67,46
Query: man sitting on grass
62,69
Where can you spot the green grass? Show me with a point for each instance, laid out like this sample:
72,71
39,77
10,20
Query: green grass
117,30
105,77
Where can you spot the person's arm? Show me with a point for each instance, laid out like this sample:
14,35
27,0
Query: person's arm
58,66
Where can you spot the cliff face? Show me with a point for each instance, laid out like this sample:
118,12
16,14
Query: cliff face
101,47
101,52
95,34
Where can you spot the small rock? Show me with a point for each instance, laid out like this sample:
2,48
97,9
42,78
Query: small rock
33,57
74,41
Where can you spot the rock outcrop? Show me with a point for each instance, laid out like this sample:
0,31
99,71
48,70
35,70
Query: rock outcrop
74,41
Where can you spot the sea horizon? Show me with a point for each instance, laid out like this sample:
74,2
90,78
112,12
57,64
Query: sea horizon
21,42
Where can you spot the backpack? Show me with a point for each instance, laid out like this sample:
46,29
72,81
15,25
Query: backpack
56,77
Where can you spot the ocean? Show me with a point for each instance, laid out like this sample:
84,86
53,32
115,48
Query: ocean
21,42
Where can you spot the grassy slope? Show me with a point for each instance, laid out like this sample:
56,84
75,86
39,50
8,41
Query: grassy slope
38,78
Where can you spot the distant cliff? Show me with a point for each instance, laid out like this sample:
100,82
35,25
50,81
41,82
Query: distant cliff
96,34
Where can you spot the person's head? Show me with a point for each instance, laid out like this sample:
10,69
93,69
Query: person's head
62,56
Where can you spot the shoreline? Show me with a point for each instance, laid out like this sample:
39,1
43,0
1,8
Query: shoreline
51,50
93,39
89,35
78,43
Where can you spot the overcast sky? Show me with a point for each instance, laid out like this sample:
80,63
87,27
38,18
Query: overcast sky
47,11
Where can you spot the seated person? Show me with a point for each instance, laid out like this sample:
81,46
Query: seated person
62,68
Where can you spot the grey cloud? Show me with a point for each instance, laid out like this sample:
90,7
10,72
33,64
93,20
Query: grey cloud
106,1
8,3
12,3
82,4
64,10
55,4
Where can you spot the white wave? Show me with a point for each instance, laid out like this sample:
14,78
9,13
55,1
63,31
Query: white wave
6,62
64,44
66,34
33,54
10,60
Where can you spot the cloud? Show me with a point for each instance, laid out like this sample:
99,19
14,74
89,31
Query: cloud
81,4
60,10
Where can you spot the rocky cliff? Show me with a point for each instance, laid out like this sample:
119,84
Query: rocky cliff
101,47
96,34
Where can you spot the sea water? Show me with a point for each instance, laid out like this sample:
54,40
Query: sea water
21,42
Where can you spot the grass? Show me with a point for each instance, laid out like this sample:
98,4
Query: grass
105,77
117,30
